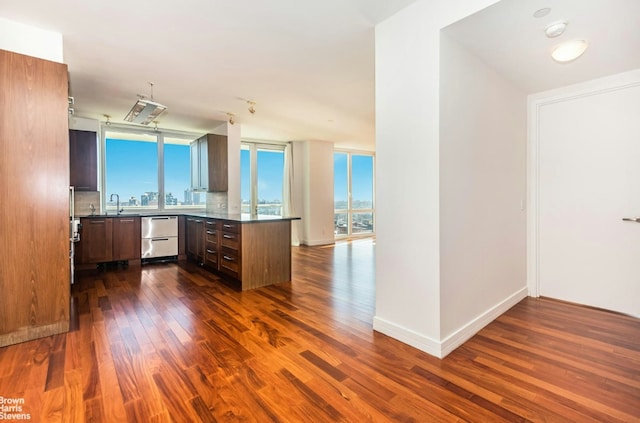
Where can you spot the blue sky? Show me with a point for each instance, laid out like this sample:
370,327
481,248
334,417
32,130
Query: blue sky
361,173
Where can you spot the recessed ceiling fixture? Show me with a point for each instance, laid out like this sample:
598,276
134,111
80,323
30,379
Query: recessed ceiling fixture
145,111
569,50
555,29
541,13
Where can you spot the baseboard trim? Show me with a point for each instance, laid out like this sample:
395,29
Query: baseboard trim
463,334
443,348
316,243
408,336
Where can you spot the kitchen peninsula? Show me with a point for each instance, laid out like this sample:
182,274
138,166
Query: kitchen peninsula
250,251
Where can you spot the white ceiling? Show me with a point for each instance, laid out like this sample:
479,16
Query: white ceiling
309,65
507,37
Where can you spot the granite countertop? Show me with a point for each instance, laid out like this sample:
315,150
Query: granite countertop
236,217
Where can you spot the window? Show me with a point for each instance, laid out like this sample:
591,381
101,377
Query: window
262,178
148,172
353,193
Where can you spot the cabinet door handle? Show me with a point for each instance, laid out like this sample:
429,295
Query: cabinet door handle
126,220
227,258
96,222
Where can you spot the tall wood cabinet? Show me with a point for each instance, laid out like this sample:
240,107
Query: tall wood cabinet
34,193
209,163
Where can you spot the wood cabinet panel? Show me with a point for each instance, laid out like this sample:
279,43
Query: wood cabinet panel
209,163
34,188
195,239
126,238
83,160
96,241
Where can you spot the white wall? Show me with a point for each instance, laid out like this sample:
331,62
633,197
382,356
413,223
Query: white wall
407,166
31,41
313,191
482,191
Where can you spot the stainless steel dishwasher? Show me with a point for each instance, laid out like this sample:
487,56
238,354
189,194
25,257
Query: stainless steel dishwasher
159,237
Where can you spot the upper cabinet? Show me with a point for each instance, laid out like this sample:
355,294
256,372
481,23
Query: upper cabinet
209,170
83,160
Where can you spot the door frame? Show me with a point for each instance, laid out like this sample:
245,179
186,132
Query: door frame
535,102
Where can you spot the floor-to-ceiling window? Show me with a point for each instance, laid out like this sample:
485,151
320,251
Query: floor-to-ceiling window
353,176
261,178
148,171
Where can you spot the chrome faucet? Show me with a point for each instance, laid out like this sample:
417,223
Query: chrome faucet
118,209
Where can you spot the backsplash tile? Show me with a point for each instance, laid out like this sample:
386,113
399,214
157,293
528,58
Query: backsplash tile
83,201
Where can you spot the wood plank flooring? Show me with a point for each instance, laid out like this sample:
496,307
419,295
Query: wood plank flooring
170,342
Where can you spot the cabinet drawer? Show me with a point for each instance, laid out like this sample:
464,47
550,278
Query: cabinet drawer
230,240
211,235
228,226
211,255
159,247
230,263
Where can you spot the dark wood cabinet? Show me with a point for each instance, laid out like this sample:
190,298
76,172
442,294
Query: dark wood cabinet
195,239
211,244
126,238
209,163
105,239
83,160
251,254
96,241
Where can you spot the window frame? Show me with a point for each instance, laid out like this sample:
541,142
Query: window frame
253,147
350,211
160,135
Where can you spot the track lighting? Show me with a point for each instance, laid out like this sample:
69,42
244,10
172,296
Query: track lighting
145,111
251,104
231,118
108,122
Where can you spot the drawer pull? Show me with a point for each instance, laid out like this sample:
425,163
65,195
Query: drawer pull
228,226
227,258
159,218
96,221
210,251
126,220
227,236
198,221
210,233
159,239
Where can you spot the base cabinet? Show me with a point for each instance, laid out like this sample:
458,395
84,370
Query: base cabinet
251,254
106,239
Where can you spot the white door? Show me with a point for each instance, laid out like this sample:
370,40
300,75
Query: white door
589,179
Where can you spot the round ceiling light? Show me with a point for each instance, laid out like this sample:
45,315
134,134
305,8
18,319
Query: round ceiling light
555,29
569,50
541,13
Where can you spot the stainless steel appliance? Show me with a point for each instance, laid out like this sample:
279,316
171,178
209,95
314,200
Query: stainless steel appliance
159,237
74,232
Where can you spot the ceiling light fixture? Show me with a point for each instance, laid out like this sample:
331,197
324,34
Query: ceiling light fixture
555,29
145,111
569,50
231,119
251,109
108,122
541,13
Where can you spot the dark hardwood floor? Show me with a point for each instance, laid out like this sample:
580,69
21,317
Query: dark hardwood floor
170,342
